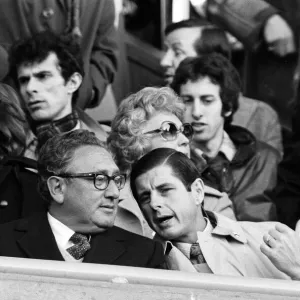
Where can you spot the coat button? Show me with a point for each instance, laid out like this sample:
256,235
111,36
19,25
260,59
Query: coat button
3,203
48,13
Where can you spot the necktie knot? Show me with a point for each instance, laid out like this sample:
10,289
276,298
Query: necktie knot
196,255
80,247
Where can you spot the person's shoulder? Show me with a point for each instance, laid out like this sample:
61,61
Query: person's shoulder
264,150
257,228
123,234
15,225
23,224
260,105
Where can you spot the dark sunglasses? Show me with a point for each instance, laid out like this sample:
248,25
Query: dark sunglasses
169,131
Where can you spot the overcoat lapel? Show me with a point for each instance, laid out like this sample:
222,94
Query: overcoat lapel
105,249
38,240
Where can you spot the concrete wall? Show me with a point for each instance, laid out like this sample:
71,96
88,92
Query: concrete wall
38,279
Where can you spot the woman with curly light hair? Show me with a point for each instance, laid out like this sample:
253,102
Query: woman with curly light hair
150,119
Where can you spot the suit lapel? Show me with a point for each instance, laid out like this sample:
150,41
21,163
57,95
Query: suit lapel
105,248
38,241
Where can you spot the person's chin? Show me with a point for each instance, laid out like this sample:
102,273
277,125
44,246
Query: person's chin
104,224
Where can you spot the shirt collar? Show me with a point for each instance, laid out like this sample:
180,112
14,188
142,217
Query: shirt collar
185,248
227,147
224,227
62,233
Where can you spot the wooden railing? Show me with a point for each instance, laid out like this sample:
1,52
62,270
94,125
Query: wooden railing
41,279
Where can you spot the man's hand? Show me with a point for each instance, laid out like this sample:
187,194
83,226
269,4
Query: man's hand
279,36
282,246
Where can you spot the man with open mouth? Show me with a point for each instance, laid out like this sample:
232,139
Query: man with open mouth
168,188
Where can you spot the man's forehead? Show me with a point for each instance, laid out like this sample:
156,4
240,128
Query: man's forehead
93,158
157,176
36,66
184,34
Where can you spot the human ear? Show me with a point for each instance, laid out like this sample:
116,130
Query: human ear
197,189
56,187
74,82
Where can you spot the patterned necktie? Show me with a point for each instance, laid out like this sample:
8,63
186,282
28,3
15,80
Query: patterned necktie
81,245
196,255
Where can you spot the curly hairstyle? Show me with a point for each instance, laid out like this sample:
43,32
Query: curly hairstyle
37,48
57,153
13,124
220,71
126,140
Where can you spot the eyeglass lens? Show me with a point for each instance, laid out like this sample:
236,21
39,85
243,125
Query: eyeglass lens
169,131
102,181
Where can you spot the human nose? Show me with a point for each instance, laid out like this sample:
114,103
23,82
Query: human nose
156,202
166,60
182,140
197,111
31,86
112,190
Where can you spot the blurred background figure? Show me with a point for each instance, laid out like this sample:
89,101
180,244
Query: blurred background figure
192,38
269,33
91,23
18,177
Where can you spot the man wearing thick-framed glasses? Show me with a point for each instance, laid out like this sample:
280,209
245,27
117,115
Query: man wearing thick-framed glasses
81,184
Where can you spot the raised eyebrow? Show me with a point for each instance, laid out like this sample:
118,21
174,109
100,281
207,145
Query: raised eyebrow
105,172
204,97
42,73
176,44
164,185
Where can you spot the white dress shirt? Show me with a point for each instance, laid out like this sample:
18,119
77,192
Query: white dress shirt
62,234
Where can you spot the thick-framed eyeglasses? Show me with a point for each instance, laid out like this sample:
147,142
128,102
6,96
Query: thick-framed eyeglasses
169,131
101,181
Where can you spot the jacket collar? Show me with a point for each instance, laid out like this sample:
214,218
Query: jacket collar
38,240
106,247
222,226
245,143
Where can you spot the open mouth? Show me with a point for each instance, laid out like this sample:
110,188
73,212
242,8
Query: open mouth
34,104
164,220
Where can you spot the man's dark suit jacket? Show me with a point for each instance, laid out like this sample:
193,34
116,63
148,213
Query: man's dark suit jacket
33,238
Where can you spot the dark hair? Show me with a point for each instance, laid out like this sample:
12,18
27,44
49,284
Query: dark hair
182,167
220,71
211,38
37,48
13,124
57,153
190,23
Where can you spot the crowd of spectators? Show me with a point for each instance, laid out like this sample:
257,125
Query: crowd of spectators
193,175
